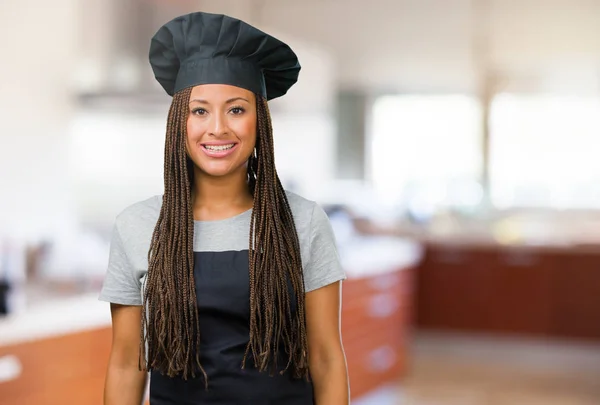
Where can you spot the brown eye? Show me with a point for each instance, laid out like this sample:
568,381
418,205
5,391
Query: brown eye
237,110
198,111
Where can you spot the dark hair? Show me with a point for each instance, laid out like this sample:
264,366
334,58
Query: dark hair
170,325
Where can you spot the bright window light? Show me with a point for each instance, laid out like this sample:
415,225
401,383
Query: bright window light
426,150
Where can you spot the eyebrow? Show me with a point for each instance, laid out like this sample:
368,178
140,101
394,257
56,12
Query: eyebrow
231,100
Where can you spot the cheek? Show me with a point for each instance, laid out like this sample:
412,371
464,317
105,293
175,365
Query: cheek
194,133
194,128
246,131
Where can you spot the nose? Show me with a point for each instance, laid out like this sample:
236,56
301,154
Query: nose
218,125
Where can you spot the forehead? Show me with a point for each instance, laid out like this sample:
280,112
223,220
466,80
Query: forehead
220,93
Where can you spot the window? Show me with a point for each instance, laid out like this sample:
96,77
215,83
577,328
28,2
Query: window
426,151
544,151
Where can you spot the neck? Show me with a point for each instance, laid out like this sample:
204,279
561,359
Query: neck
216,198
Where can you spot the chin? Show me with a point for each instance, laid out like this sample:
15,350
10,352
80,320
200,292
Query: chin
217,171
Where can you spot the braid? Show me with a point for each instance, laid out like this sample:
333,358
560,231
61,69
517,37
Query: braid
275,263
170,327
170,315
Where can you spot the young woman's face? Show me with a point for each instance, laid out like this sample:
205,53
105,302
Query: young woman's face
221,128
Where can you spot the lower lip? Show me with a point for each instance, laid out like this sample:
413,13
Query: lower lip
219,153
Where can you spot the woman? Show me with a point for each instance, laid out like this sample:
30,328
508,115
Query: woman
233,282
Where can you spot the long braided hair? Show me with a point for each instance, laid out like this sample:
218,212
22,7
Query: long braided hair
170,328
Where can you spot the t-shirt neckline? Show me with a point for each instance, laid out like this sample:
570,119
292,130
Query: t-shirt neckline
220,221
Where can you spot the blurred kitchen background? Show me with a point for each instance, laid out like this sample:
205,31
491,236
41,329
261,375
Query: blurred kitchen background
454,143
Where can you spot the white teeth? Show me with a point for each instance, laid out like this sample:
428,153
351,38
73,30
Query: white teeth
219,147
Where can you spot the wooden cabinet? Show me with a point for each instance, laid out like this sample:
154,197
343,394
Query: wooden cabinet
520,291
62,370
70,369
525,290
376,315
576,292
454,288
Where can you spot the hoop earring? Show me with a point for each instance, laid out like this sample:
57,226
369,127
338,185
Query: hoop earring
253,163
250,169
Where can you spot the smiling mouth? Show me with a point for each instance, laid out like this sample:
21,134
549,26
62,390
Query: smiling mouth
219,148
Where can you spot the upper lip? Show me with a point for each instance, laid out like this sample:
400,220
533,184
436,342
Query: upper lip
218,143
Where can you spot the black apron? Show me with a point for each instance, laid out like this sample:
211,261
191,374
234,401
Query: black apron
223,294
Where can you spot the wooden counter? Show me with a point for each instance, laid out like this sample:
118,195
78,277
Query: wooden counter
57,354
542,291
70,369
57,371
376,317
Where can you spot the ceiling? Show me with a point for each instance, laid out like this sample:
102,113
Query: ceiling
441,45
389,45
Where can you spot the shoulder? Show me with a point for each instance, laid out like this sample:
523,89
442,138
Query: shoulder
128,259
309,216
302,208
140,211
139,219
321,262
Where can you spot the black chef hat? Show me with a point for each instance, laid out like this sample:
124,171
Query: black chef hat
205,48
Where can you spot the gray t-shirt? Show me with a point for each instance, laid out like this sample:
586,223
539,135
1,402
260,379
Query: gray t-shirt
132,233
